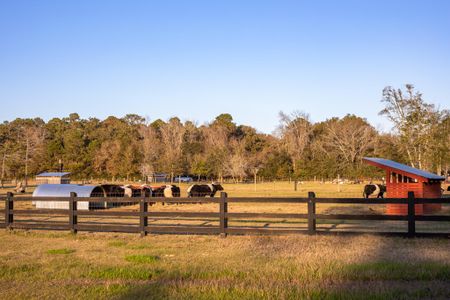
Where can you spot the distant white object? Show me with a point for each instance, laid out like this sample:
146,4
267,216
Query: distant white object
157,177
128,192
183,179
53,178
20,188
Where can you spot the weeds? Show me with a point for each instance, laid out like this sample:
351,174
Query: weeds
142,258
60,251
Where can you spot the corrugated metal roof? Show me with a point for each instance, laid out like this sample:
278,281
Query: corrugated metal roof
404,168
63,190
53,174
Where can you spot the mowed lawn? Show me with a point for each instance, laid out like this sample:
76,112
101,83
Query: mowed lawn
54,265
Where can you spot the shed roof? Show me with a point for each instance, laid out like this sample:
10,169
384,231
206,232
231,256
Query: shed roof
63,190
413,172
53,174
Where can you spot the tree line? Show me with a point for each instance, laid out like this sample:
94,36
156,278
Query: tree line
299,148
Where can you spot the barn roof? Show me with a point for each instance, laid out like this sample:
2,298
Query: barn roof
413,172
63,190
53,174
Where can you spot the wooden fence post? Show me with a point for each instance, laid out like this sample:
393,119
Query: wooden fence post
223,212
411,215
73,217
143,221
9,207
311,213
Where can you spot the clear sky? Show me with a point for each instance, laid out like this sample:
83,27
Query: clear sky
197,59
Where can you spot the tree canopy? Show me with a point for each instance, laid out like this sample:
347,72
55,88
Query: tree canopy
300,148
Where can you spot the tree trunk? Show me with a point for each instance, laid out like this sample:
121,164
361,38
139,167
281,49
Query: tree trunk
439,167
3,166
26,163
446,172
420,158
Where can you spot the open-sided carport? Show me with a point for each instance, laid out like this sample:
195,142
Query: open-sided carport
401,179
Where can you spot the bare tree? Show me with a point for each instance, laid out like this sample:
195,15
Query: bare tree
413,119
33,138
295,132
438,148
351,138
152,149
217,146
237,164
4,157
107,159
172,134
216,137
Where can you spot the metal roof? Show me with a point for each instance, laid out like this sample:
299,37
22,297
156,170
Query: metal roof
64,190
53,174
404,168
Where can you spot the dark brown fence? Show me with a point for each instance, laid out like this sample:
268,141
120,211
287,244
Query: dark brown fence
141,215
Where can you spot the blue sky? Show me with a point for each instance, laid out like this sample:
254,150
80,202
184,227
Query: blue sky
197,59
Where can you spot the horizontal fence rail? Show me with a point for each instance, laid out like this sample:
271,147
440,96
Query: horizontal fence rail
138,221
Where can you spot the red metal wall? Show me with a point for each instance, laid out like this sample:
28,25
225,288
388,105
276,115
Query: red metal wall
432,190
421,190
400,190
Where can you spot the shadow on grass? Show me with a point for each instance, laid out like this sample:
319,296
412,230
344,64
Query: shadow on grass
391,271
148,291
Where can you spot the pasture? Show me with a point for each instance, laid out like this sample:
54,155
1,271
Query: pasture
42,264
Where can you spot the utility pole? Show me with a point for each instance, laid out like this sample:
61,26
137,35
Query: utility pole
255,173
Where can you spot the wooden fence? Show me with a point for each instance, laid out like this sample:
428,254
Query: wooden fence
222,215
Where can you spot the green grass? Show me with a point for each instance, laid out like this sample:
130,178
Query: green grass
110,272
17,271
126,245
138,247
124,266
60,251
156,291
142,258
397,271
117,243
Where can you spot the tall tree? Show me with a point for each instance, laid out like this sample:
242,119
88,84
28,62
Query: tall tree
414,121
345,141
237,164
172,137
295,132
438,148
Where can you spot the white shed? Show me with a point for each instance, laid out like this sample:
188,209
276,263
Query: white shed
53,178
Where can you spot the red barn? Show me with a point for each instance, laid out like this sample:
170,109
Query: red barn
401,179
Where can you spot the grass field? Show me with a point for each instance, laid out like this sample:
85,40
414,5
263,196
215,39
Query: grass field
59,265
266,189
53,265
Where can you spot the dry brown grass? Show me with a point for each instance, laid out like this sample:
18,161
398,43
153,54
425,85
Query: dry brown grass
267,189
93,265
277,189
282,267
